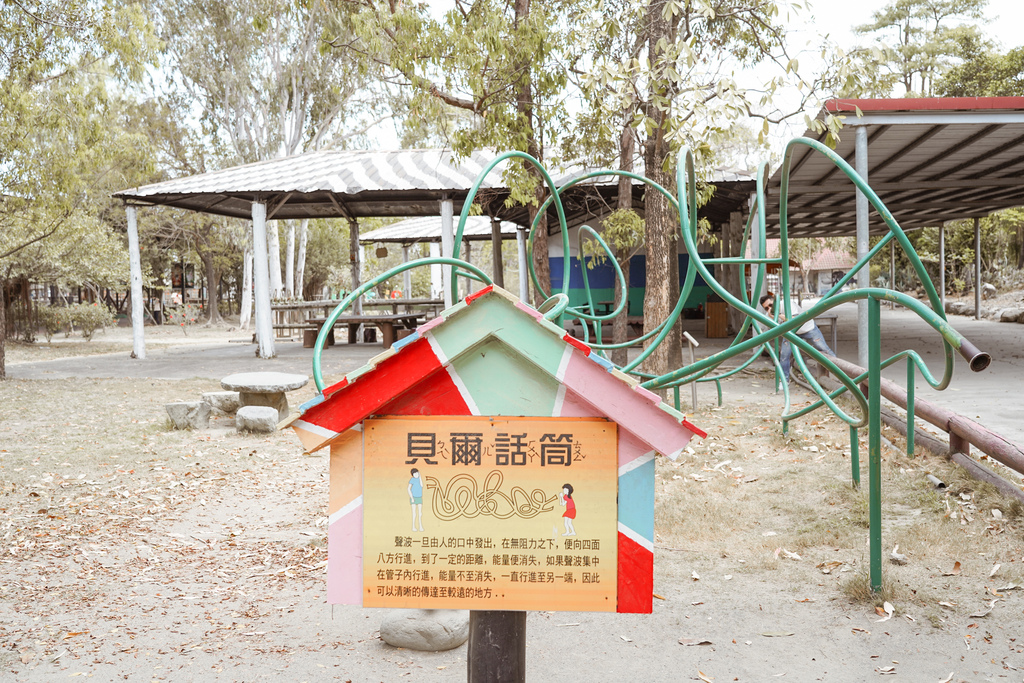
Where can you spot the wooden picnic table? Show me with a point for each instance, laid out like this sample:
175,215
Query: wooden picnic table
386,323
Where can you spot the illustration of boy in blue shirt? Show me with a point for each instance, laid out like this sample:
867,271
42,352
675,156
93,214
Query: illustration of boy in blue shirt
416,498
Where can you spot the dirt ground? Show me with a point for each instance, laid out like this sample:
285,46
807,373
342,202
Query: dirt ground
130,551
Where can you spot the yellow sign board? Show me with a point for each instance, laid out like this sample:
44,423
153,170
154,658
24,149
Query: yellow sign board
490,513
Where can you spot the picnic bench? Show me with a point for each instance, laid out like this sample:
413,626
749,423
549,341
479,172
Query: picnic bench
389,325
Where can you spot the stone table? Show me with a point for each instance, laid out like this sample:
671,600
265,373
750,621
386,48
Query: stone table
264,388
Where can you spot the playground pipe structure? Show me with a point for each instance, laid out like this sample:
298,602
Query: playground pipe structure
768,331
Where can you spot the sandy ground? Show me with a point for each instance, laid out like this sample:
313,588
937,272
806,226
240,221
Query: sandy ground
134,552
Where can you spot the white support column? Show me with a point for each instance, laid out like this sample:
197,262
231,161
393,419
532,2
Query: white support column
138,304
436,276
447,248
524,268
407,275
864,276
300,260
942,266
261,282
977,268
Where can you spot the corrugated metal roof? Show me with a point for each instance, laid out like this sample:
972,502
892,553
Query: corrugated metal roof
336,184
428,229
930,160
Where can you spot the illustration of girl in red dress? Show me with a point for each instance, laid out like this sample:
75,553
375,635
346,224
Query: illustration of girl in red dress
565,499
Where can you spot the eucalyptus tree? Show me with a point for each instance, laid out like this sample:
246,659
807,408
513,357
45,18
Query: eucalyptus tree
683,73
491,74
255,76
61,148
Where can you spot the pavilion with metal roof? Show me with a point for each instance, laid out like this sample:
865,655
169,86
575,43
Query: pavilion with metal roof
929,160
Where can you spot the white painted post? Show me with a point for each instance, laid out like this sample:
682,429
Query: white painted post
300,260
436,275
138,304
864,276
942,266
447,248
261,278
977,268
407,275
524,268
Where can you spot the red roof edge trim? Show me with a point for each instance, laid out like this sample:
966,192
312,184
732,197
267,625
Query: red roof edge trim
694,428
335,388
476,295
577,343
925,104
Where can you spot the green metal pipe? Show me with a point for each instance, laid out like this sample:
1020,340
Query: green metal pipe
325,330
875,443
855,456
910,406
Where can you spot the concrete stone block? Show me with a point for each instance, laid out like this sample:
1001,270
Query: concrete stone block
429,630
1011,315
224,401
189,414
261,419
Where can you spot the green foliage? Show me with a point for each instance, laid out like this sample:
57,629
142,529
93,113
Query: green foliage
53,319
480,76
623,230
89,318
984,73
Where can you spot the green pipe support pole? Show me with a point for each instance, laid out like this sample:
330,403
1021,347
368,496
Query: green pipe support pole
855,456
911,376
875,443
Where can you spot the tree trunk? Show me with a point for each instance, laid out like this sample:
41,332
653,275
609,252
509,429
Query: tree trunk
524,105
1020,247
245,308
300,260
620,326
212,289
660,247
289,262
3,329
274,257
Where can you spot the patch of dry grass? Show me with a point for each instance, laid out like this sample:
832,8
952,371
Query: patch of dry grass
787,504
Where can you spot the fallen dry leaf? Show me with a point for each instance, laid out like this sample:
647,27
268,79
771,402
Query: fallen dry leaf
861,630
886,670
948,678
955,571
995,568
704,677
777,634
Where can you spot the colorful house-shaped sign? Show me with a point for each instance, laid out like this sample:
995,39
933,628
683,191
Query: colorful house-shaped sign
490,461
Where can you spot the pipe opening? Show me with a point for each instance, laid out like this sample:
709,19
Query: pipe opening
977,359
